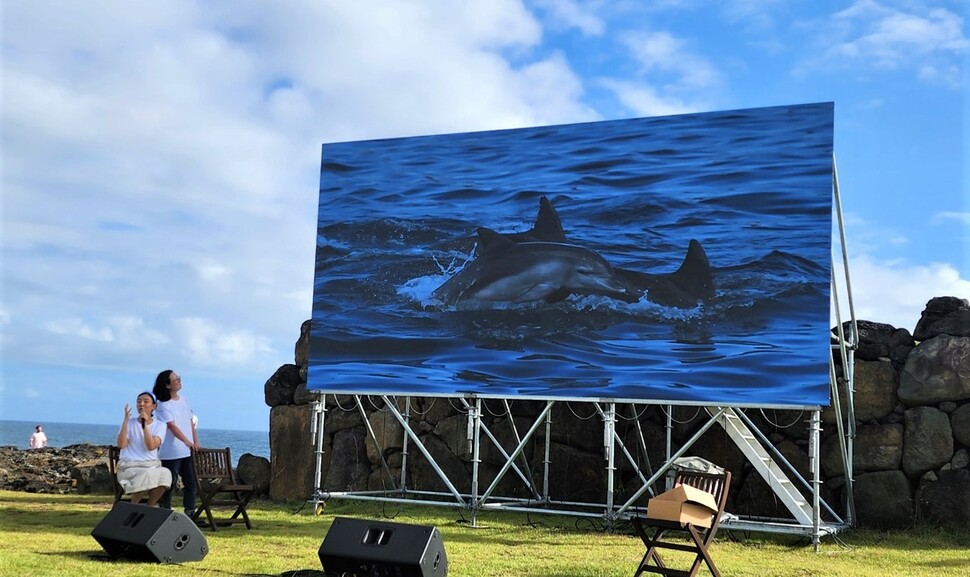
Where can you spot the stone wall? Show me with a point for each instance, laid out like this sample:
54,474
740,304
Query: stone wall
911,444
913,417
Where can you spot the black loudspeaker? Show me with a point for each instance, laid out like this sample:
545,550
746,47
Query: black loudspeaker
377,549
146,533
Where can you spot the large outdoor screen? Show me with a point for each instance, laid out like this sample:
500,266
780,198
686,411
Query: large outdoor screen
682,259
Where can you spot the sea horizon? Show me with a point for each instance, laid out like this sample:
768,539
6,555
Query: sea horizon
17,433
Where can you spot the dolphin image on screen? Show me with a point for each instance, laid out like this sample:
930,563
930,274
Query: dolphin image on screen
547,227
522,272
693,282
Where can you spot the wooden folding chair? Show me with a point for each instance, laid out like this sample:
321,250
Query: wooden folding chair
217,486
699,538
114,453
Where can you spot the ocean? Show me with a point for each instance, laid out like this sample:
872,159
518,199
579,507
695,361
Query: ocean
17,433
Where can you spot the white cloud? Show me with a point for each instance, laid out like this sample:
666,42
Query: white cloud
959,217
206,342
132,334
664,52
672,79
392,69
215,274
645,100
550,83
946,75
124,333
867,236
892,289
79,328
751,7
896,293
571,14
931,42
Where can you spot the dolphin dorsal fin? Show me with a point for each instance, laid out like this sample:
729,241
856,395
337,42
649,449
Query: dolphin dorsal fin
694,274
548,227
491,241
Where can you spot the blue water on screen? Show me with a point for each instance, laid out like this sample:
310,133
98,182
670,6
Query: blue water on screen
399,216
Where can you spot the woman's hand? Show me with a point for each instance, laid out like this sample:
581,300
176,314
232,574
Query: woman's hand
122,440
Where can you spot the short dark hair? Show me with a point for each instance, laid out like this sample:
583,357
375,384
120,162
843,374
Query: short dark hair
161,386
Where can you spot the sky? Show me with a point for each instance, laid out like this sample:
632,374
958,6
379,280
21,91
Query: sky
160,160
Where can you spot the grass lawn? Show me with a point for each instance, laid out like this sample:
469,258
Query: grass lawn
51,535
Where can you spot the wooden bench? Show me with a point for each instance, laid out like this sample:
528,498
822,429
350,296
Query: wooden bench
218,487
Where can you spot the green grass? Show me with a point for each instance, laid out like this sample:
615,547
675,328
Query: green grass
51,535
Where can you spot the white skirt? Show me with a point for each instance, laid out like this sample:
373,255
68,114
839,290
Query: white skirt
138,476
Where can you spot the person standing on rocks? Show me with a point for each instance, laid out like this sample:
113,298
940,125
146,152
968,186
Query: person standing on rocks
140,472
38,440
176,451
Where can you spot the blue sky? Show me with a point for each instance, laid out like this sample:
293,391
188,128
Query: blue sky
160,161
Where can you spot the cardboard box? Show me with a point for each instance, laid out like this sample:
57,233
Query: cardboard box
683,504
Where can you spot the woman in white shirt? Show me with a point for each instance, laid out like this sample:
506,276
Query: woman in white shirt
182,438
140,472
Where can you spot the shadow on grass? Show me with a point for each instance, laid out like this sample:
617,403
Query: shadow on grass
126,562
916,539
949,564
34,513
102,557
44,521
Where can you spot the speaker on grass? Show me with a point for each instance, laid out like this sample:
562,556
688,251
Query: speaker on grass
148,533
378,549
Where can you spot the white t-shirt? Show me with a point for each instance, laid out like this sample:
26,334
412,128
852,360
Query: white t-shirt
180,412
136,451
38,440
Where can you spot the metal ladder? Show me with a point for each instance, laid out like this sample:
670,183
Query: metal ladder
767,466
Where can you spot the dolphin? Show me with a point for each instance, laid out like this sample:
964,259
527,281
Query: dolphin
546,228
531,271
690,284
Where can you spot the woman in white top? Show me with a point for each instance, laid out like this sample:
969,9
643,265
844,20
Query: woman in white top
140,472
182,438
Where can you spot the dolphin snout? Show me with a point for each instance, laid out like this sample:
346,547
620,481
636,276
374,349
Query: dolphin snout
612,287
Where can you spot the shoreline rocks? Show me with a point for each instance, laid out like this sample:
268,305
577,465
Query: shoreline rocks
73,469
83,469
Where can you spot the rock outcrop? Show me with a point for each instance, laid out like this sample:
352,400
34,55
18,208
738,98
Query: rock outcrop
71,469
256,471
83,469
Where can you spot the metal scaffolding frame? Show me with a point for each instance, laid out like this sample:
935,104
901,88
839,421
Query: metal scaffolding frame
809,514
